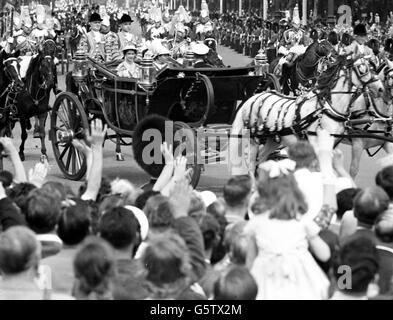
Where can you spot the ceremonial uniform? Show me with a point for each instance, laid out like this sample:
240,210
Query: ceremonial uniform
92,43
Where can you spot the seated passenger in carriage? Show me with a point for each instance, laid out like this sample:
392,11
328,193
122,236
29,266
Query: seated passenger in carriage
128,68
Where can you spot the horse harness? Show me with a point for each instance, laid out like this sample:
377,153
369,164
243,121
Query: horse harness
260,132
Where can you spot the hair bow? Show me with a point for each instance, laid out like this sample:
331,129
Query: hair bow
277,168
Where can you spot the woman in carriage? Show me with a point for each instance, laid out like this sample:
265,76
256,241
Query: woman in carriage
128,68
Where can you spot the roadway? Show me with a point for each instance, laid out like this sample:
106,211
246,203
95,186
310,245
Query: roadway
213,177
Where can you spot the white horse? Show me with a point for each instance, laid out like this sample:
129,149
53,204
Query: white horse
382,110
273,120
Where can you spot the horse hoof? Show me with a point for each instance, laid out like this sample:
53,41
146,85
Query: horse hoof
119,157
22,156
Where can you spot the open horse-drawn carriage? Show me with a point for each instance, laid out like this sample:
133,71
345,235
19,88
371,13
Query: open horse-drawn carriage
193,99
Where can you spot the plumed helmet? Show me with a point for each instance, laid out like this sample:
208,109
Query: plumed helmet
360,30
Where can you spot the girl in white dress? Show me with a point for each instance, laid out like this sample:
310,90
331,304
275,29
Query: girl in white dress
279,254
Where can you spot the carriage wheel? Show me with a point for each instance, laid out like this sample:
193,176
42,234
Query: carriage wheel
188,147
68,121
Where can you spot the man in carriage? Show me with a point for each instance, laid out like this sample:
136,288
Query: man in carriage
200,51
180,43
92,43
111,40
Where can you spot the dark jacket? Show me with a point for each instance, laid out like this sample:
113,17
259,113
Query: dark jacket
10,214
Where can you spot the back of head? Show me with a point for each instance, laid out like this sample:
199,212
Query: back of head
384,179
369,204
237,190
19,250
94,268
159,212
236,284
281,195
62,190
303,154
210,230
166,259
19,194
120,228
361,257
197,208
345,201
74,222
43,211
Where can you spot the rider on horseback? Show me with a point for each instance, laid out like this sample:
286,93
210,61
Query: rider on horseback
293,46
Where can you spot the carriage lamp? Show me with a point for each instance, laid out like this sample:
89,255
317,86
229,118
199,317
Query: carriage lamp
147,73
81,68
261,64
189,59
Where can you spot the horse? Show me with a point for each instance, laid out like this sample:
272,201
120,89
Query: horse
382,109
274,120
41,78
304,71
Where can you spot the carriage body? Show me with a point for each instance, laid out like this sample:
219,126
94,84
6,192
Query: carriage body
194,98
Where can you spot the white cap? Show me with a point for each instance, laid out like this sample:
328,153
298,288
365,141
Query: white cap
208,197
200,49
129,46
204,13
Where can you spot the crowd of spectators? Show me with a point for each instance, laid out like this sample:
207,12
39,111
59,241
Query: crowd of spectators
297,229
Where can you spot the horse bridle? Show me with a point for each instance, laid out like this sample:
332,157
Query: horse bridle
334,113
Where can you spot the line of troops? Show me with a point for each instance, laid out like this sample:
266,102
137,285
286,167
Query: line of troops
247,35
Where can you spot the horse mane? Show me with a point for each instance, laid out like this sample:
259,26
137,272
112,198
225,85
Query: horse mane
33,69
329,78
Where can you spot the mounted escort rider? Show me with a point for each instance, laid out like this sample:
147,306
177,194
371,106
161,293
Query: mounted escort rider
293,43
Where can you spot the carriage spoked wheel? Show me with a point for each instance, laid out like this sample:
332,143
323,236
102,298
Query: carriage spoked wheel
68,121
186,145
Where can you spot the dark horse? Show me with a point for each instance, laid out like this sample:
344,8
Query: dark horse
304,70
41,78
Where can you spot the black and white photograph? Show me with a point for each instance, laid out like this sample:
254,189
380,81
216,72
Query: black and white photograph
196,155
